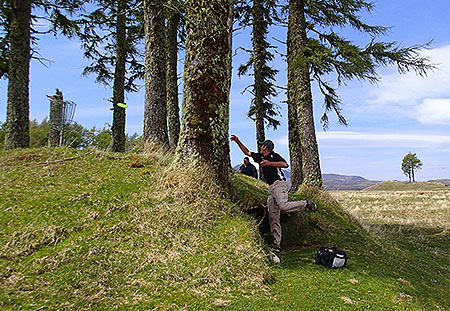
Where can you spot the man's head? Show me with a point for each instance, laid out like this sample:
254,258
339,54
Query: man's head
246,161
266,146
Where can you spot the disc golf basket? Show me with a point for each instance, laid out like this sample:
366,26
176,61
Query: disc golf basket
61,114
68,114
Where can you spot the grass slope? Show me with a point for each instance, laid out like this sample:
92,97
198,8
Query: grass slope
391,267
135,232
108,232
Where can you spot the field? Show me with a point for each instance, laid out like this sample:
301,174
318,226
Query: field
416,222
420,208
91,230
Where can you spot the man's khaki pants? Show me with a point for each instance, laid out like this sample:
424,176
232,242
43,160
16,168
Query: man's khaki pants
277,203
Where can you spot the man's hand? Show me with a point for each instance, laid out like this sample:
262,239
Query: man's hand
264,163
241,145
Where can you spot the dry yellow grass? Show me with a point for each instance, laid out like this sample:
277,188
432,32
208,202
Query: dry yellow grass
188,199
428,209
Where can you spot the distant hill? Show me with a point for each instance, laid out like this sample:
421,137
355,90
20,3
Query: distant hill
343,182
442,181
392,185
334,181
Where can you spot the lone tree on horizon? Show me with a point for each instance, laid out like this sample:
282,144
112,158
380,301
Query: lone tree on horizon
411,163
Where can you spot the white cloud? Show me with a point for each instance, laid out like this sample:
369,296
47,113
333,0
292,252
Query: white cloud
434,111
376,140
398,93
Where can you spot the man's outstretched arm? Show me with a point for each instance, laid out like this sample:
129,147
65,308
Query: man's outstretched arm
240,144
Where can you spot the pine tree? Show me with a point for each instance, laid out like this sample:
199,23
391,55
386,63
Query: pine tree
18,111
119,119
204,132
302,136
16,21
155,110
110,36
260,14
315,50
5,26
173,110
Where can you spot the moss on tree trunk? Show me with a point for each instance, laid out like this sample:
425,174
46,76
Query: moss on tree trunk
204,132
173,110
300,98
18,111
295,146
118,127
155,110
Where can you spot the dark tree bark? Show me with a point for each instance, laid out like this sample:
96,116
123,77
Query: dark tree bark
173,109
300,98
259,31
155,110
119,118
230,22
18,111
204,134
295,148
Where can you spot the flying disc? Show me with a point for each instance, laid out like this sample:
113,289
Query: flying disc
122,105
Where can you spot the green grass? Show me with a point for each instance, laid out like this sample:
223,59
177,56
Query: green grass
107,231
136,232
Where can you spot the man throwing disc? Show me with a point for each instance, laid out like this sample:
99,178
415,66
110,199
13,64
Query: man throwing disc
277,202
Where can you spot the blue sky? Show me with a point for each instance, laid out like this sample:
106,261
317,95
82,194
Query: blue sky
401,113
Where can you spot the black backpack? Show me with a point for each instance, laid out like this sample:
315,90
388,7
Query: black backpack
331,257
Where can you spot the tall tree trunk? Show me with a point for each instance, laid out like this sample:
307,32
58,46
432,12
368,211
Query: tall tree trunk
258,65
118,127
204,133
258,38
173,110
225,115
229,65
412,173
295,146
56,118
18,111
300,96
155,110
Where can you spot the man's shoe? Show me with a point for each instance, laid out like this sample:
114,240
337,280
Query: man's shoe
276,248
274,258
274,253
311,206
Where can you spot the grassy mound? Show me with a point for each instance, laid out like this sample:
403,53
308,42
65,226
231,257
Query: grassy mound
103,231
391,185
